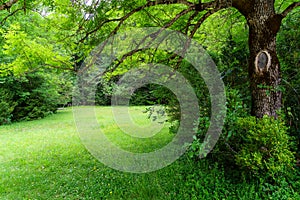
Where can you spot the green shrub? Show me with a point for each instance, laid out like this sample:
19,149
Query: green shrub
224,150
264,148
289,56
6,106
248,146
32,96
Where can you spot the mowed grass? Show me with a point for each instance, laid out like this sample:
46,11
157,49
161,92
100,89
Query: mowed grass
45,159
143,135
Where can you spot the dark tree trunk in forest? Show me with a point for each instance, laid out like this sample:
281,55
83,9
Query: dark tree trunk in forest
264,66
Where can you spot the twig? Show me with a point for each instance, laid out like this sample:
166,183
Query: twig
289,9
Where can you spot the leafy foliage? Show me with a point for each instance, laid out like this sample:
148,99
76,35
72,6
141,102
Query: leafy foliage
265,147
33,73
223,152
288,50
258,147
7,106
32,96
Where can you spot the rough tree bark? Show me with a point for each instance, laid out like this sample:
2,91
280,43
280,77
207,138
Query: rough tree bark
8,4
264,67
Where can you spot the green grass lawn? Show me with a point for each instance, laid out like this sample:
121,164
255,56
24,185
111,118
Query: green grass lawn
45,159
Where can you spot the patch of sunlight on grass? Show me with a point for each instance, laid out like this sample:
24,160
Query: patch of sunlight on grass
141,122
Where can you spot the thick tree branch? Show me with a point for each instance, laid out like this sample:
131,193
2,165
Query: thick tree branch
8,5
289,9
217,4
243,6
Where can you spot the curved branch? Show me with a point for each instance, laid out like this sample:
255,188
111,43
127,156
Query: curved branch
198,7
211,7
149,4
173,2
193,32
153,36
170,23
11,14
125,17
289,9
8,5
97,28
243,6
189,22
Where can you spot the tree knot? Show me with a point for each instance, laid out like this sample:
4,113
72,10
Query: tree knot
262,62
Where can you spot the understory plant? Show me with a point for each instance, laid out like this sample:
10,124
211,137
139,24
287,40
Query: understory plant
248,146
265,147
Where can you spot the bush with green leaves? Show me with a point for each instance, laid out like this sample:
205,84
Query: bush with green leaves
265,147
289,56
6,107
223,151
256,147
32,96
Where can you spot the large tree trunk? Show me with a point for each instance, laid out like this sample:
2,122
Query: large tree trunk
264,67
